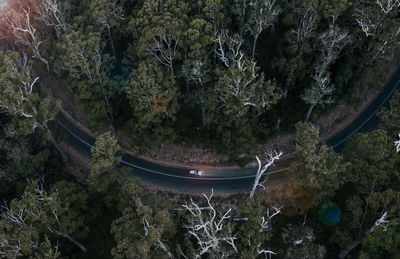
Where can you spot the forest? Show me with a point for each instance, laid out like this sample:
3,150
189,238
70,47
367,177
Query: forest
226,75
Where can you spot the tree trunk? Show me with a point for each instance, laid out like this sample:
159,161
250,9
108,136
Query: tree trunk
109,116
253,51
163,247
75,242
309,112
63,156
112,44
353,245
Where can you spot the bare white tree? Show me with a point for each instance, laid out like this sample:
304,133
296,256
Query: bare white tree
266,221
368,24
210,229
306,24
262,15
382,221
24,31
319,93
228,49
52,13
387,5
332,43
397,144
270,156
164,48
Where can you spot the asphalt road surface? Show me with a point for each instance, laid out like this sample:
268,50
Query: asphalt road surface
226,181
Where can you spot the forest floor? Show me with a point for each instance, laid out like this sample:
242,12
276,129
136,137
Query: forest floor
331,122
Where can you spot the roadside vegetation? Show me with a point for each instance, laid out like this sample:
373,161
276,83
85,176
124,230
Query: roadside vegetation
227,74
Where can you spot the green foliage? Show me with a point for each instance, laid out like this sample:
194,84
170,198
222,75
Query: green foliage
382,243
327,167
31,225
391,116
106,155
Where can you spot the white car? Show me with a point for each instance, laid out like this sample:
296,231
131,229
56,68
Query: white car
195,172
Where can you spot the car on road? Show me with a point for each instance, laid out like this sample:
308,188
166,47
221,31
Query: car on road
195,172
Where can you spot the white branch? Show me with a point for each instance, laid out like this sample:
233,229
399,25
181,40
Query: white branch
271,157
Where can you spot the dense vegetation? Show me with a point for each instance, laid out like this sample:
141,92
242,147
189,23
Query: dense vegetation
228,73
225,73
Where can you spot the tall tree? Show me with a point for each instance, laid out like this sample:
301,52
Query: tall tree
20,99
31,224
106,156
108,14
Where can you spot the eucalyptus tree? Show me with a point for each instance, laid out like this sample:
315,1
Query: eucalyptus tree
25,31
142,232
262,14
106,156
300,242
161,26
31,225
328,168
240,86
152,94
332,43
87,66
108,15
20,99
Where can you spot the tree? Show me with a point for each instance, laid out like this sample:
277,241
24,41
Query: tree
88,66
332,43
210,230
327,167
161,25
382,242
140,233
391,115
20,20
19,99
53,13
106,156
240,86
262,15
29,225
153,96
271,156
300,241
255,231
370,214
372,161
108,14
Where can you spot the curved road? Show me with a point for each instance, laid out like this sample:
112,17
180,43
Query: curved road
228,181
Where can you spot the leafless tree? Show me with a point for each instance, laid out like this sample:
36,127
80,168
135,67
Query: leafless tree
319,93
270,156
262,15
397,144
164,48
52,13
332,43
382,221
387,5
24,30
306,24
228,47
368,24
210,229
